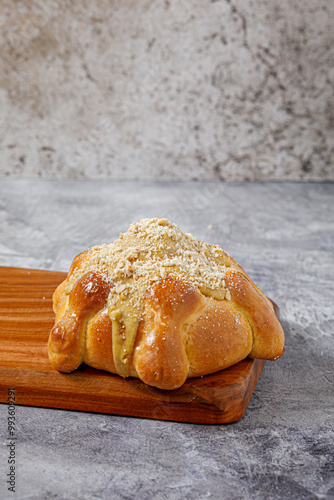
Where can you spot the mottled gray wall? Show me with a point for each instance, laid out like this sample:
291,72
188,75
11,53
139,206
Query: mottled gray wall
189,89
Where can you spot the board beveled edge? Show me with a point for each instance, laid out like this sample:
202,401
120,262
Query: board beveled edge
198,401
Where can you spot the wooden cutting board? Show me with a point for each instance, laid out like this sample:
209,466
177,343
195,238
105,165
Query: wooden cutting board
26,318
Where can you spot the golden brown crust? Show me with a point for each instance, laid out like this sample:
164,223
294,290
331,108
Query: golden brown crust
98,353
219,338
67,339
268,336
183,331
159,356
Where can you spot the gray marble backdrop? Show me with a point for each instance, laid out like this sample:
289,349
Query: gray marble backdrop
183,89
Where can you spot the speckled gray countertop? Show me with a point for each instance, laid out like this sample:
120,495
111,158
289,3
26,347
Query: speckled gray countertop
283,235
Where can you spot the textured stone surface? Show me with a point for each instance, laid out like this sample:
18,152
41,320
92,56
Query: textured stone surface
283,448
172,89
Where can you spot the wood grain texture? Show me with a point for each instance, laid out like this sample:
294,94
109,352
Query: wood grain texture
26,317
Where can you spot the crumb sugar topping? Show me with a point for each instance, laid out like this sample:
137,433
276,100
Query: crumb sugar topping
151,250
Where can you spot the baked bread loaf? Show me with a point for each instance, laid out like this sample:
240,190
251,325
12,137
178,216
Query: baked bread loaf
160,305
